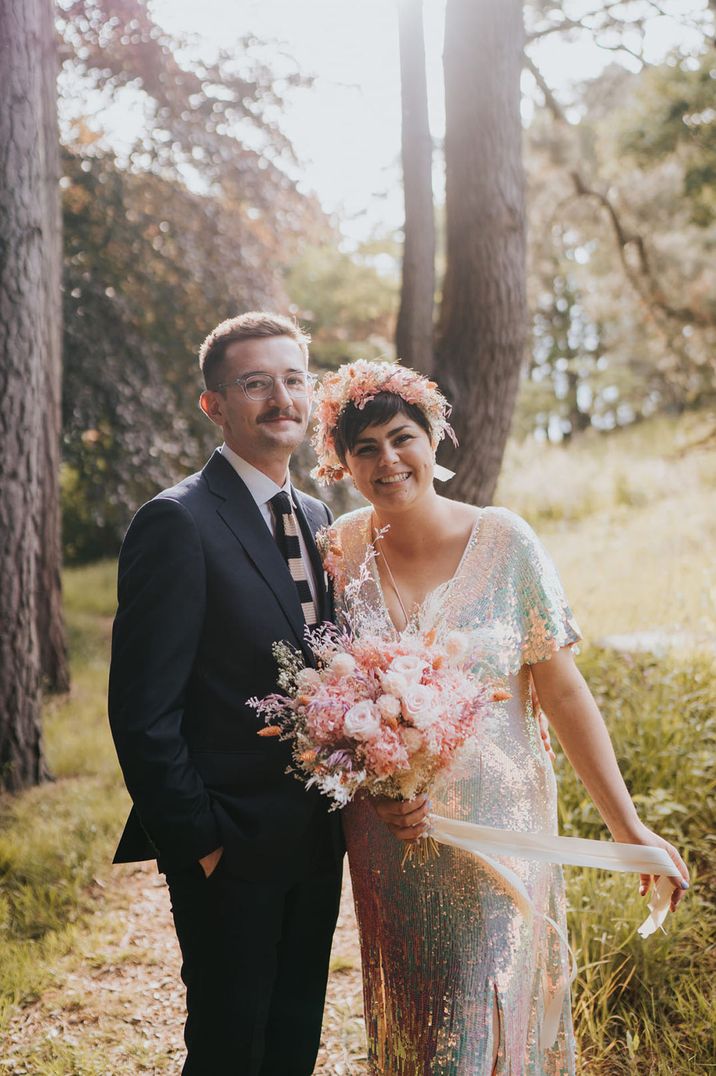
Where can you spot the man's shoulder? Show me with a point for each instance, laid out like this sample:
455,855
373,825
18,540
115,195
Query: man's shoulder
186,498
184,491
313,504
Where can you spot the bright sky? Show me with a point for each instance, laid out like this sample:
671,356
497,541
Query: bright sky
346,129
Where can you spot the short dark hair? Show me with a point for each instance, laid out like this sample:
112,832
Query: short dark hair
250,326
384,406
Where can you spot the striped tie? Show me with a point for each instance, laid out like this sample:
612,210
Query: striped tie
288,543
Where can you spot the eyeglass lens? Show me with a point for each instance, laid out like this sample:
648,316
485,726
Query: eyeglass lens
262,386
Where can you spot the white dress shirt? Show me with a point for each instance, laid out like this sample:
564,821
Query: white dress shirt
262,489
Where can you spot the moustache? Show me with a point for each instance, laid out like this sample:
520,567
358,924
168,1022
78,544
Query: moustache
270,416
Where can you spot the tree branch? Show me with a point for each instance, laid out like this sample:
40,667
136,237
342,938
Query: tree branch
642,276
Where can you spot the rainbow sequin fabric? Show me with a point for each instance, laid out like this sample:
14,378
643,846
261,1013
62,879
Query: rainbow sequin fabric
453,975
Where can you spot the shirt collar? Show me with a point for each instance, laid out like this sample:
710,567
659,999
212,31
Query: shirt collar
260,486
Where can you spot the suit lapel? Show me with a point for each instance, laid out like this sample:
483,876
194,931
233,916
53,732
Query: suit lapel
240,513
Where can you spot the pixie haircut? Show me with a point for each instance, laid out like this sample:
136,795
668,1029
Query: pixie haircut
382,408
251,326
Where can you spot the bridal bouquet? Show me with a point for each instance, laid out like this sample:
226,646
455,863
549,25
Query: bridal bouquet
389,716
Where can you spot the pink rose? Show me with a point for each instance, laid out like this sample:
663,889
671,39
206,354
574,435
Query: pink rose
388,705
419,706
362,721
394,683
409,666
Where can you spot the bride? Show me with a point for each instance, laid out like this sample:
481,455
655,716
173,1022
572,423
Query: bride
456,980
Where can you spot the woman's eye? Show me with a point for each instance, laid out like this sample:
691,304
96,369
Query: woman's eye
403,437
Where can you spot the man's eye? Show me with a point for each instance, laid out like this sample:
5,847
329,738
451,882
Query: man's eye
295,381
258,383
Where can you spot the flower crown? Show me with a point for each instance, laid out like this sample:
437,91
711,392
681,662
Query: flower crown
358,383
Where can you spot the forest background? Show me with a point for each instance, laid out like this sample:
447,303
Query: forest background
207,212
192,223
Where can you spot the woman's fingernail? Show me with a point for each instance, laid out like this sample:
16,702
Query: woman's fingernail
684,885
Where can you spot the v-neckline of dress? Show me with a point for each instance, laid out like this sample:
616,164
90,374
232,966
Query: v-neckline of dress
445,585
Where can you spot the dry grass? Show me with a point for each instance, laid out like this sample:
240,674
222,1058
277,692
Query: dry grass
631,523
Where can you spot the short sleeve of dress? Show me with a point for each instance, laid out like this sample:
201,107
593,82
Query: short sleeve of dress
546,622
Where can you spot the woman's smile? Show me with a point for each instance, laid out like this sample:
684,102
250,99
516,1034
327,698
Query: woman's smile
393,479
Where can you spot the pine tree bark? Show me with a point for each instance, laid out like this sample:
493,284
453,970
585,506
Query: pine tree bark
482,328
26,32
54,664
414,331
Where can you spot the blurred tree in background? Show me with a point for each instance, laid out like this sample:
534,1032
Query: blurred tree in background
622,211
348,302
196,215
195,221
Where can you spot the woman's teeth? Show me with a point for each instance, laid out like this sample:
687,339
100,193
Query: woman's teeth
392,479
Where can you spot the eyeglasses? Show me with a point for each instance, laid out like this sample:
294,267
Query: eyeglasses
263,386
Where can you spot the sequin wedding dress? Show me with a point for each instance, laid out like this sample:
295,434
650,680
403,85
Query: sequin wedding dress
453,974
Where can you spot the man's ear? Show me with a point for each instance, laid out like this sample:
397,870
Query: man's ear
211,404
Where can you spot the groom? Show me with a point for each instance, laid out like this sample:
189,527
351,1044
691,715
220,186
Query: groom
212,573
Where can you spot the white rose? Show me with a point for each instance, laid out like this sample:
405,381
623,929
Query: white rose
412,739
343,665
307,680
394,683
408,665
456,645
418,706
362,721
388,705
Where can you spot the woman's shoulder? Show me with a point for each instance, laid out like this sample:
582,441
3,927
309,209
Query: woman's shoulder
344,543
508,536
506,522
351,523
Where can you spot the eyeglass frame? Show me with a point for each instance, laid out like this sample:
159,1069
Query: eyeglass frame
310,382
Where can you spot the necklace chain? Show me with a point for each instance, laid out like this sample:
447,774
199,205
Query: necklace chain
394,585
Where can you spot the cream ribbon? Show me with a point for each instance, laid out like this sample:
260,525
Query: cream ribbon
443,474
484,842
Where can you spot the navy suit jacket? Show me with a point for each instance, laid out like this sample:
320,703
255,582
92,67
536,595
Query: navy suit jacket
204,593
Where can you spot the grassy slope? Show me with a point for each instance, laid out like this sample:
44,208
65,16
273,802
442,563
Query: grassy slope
629,521
53,838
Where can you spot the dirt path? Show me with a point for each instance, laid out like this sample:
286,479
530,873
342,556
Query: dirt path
116,1005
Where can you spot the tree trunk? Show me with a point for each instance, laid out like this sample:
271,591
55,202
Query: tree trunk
54,664
414,332
25,234
483,318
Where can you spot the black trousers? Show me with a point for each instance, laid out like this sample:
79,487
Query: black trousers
255,965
